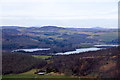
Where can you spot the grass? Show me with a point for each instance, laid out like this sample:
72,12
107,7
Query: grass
108,36
41,77
41,57
34,76
30,74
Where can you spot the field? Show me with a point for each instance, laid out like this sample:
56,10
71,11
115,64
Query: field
42,57
34,76
30,74
107,36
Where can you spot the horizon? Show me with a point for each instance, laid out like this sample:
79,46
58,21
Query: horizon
55,26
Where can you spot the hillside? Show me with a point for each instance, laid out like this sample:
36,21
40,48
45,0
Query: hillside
57,38
98,64
18,63
94,64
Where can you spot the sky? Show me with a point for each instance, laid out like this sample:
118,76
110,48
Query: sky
62,13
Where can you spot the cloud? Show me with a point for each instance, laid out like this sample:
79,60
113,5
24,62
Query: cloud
41,1
43,10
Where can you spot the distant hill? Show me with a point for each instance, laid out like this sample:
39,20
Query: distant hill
52,28
10,27
95,29
61,28
59,39
98,28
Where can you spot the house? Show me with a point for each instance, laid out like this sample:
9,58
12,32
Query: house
41,72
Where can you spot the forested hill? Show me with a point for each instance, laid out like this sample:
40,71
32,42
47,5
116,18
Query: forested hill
18,63
59,39
95,64
99,64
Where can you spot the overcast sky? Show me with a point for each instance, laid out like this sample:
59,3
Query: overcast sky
65,13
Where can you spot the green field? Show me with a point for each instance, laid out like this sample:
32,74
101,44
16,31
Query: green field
41,57
30,74
40,77
108,36
34,76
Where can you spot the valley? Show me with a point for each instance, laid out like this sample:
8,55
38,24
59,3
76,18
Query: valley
49,52
58,39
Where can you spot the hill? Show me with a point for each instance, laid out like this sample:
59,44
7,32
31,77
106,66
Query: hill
96,64
18,63
57,38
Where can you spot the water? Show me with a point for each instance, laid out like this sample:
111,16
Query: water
31,50
106,45
79,51
87,49
95,48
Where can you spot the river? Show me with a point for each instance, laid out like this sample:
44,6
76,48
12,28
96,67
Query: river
31,50
95,48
